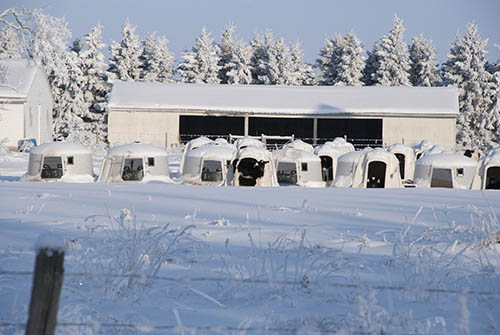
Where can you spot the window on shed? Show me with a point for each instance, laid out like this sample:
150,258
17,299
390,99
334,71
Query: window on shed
70,160
151,161
303,167
460,172
493,178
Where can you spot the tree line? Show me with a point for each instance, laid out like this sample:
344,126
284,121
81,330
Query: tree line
81,77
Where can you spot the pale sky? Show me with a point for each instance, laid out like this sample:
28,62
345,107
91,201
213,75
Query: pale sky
309,22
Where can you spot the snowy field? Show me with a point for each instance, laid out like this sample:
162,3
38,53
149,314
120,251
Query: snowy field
166,258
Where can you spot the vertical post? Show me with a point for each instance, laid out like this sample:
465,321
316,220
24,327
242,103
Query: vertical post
315,131
245,130
47,283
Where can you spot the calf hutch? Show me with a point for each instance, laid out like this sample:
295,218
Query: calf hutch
60,161
165,114
25,103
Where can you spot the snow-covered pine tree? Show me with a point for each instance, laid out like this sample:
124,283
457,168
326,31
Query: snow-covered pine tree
388,64
239,69
465,68
157,60
261,45
226,51
200,64
280,67
351,63
423,66
304,73
95,87
328,58
125,63
9,43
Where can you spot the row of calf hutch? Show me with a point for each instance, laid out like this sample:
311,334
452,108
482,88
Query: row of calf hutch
248,163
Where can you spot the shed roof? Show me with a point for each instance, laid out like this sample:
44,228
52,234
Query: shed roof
289,100
60,148
19,77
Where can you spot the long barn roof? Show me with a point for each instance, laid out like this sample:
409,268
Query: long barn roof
287,100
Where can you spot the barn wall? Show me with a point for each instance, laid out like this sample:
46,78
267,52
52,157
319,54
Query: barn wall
440,131
38,117
12,123
157,128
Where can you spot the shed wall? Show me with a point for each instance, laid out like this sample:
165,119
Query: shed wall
12,123
157,128
440,131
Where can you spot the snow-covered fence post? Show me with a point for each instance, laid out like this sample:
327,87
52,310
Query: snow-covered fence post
47,283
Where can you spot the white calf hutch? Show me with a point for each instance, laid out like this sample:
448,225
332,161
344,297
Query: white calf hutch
136,162
329,152
298,167
208,164
406,157
191,145
25,103
369,168
166,114
447,170
62,161
487,175
252,166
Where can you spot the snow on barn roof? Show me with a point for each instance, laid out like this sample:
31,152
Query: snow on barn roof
60,148
301,100
18,79
139,149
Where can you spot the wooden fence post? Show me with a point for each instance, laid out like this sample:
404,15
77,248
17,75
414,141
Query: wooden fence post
47,283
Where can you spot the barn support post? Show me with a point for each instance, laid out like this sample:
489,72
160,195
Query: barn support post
315,131
47,283
245,131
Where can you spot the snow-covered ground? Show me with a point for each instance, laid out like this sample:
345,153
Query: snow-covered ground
167,258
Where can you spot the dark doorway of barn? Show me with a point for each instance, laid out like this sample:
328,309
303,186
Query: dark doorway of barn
401,158
493,178
360,132
441,178
327,168
301,128
376,175
210,126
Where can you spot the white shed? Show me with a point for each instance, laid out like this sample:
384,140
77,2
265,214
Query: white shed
298,167
246,141
166,113
25,103
406,157
370,168
136,162
208,164
252,166
487,174
62,161
329,152
448,170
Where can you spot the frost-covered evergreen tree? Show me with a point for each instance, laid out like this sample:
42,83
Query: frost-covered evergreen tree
261,45
157,60
388,64
95,88
328,58
10,46
351,62
304,73
125,63
239,68
200,65
423,66
477,123
226,51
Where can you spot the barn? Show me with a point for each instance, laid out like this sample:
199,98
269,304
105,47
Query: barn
166,114
25,103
